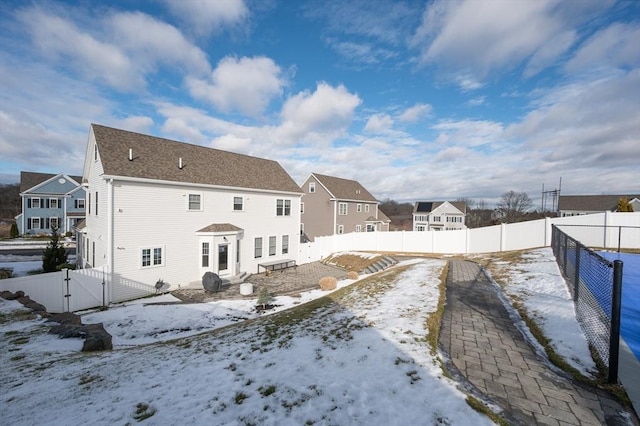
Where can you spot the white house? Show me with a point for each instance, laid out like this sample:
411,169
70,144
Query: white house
162,209
439,215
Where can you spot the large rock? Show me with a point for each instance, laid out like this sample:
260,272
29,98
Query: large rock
97,338
211,282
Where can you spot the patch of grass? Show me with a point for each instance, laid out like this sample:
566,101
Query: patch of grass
240,397
351,262
143,411
17,357
17,315
266,391
87,378
20,340
478,406
435,319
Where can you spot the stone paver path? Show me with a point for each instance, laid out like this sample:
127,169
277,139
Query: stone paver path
486,347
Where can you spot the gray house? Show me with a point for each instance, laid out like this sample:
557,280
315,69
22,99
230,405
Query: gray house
50,201
332,205
576,205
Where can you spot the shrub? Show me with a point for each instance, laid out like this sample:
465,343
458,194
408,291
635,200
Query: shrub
6,273
328,283
13,232
352,275
264,297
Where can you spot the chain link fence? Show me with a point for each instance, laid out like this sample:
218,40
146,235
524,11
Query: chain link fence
590,279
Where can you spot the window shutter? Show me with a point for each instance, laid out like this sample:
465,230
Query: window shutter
29,204
29,223
46,203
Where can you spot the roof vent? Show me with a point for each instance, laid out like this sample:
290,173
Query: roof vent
180,163
130,154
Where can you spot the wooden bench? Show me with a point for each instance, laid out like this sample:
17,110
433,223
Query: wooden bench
278,265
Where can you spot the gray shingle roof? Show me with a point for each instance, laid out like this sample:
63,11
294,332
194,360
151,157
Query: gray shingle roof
345,189
30,179
158,159
593,203
220,227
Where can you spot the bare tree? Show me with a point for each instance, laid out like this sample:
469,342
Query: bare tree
513,205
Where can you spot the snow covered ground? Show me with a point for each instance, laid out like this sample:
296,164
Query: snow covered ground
357,357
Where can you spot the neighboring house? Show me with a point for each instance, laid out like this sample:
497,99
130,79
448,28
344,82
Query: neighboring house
50,201
576,205
334,205
162,209
439,215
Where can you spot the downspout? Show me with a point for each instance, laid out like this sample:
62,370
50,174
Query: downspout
335,217
110,234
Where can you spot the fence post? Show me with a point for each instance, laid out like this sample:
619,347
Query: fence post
67,295
614,342
619,237
576,277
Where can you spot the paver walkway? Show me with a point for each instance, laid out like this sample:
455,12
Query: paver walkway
488,349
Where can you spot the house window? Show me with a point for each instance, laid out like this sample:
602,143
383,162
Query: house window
436,219
35,222
421,228
340,229
205,255
96,203
152,257
358,208
312,187
54,223
195,202
342,209
285,244
302,229
272,246
53,203
79,203
257,250
238,204
89,200
370,227
358,228
301,208
95,152
366,208
283,207
35,203
93,253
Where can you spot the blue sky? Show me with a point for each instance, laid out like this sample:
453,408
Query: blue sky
417,100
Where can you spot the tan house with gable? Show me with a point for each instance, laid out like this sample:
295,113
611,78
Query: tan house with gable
163,209
332,205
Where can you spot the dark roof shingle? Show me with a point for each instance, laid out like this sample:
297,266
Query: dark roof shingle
158,159
30,179
593,203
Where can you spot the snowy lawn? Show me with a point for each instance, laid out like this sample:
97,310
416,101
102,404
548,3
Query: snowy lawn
533,279
356,356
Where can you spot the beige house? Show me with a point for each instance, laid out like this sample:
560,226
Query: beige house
332,205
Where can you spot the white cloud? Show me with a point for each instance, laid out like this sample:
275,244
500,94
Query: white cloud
139,124
324,114
479,37
59,38
415,113
206,16
246,85
150,42
614,46
378,123
480,100
469,133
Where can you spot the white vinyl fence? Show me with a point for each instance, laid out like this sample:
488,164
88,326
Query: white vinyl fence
606,230
88,288
71,291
